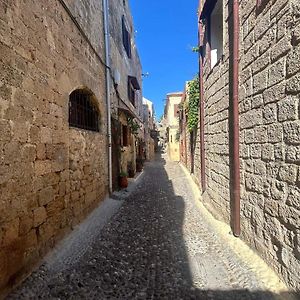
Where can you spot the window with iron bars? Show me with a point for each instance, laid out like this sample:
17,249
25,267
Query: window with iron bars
82,112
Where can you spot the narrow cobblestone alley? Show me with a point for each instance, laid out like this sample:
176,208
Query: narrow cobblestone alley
157,246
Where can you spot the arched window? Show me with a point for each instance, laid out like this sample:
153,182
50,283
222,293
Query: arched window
82,111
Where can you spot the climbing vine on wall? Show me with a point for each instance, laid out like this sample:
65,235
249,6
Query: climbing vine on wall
133,125
193,103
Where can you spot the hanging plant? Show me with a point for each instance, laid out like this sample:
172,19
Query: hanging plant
133,125
193,103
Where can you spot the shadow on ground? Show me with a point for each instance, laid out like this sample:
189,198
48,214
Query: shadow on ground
140,254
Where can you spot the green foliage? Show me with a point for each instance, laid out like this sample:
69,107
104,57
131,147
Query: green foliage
123,174
196,49
193,103
133,125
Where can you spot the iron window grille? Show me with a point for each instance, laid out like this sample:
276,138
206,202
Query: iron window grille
82,112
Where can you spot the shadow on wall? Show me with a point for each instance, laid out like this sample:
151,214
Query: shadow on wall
142,254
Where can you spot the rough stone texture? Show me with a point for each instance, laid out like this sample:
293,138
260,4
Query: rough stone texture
51,175
120,62
123,66
159,245
279,154
269,132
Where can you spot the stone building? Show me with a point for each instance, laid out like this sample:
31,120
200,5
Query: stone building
189,139
161,134
172,124
53,119
150,129
249,129
126,89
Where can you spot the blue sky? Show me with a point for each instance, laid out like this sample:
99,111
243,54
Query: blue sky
166,32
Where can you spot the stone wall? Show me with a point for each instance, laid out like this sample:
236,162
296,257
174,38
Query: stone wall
269,132
123,66
120,62
189,145
173,145
128,153
51,175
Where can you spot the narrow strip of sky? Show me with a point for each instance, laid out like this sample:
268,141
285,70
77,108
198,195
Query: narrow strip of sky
166,31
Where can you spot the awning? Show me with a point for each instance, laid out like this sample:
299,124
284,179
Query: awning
128,111
208,7
134,82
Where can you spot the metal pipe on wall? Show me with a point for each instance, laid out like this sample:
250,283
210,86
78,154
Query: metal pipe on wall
235,118
107,75
201,100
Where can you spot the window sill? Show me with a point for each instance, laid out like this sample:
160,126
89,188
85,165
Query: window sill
83,129
218,63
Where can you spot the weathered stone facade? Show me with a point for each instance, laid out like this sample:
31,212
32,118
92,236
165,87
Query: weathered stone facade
270,133
150,129
125,65
269,130
171,116
51,175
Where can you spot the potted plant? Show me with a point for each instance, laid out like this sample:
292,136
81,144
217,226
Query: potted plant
139,164
130,169
123,181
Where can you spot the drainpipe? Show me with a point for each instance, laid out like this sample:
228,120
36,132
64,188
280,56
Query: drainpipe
108,103
235,116
201,85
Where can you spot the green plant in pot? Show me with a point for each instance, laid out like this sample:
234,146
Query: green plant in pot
123,180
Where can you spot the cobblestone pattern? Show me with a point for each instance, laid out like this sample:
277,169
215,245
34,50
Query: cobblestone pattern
51,176
158,246
269,132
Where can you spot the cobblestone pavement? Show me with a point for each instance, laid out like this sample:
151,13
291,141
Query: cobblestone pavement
157,246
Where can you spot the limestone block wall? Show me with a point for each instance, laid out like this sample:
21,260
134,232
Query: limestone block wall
173,145
216,135
127,153
190,152
51,175
269,132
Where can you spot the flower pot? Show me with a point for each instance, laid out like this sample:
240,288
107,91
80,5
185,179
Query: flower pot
123,182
